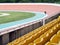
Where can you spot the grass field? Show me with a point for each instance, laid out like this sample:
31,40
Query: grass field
10,16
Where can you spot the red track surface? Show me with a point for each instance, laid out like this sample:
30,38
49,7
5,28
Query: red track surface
40,8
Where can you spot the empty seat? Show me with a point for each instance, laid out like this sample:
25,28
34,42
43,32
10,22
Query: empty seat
58,33
31,44
49,43
42,39
55,39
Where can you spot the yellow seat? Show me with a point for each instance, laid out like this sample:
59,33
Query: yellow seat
31,44
58,43
42,39
39,41
22,43
55,39
58,18
58,33
28,40
49,43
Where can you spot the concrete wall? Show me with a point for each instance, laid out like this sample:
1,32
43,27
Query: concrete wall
18,33
30,28
4,39
12,36
51,18
0,40
26,30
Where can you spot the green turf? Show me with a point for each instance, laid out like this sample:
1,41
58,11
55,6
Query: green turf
15,16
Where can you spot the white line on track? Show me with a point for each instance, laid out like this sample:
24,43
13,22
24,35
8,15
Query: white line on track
54,4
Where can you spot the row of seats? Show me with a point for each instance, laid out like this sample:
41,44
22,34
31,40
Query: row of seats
34,36
46,36
55,39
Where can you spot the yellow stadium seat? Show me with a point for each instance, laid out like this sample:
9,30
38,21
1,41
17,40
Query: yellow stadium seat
58,33
58,18
31,44
25,42
22,43
42,39
49,43
39,41
55,39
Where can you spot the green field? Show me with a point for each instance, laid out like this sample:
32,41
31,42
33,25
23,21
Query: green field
10,16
